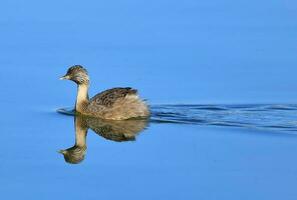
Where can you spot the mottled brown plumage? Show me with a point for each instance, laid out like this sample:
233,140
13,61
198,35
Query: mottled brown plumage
117,103
109,97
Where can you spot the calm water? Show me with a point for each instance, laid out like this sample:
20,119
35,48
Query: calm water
220,76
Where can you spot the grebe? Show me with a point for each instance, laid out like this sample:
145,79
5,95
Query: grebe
114,104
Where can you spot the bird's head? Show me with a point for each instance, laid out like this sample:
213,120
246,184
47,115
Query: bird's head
74,155
77,74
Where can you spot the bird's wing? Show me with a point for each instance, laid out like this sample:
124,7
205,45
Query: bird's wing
109,97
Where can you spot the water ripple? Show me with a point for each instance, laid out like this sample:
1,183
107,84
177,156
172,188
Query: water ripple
259,116
281,117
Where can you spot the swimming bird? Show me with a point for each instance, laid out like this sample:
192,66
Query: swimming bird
115,104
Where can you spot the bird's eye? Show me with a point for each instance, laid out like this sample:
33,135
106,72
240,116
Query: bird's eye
79,78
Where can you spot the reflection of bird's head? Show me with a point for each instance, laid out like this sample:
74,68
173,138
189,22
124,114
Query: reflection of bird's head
74,155
77,74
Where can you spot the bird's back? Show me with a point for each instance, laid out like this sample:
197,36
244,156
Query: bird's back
109,97
118,103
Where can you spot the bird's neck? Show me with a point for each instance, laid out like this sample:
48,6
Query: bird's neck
82,98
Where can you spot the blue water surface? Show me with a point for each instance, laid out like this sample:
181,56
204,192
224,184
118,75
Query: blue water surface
220,76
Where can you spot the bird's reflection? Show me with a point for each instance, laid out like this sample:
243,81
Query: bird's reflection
119,131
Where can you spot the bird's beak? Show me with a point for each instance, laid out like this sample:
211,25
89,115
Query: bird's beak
66,77
62,152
